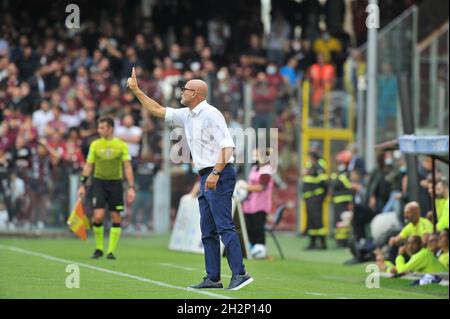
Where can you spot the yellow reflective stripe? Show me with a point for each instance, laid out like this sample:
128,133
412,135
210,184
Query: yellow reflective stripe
342,199
342,233
312,179
344,179
319,191
307,194
317,232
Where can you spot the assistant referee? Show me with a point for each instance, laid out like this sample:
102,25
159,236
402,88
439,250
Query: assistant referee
211,147
106,157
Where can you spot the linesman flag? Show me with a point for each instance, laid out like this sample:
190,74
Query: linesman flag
78,222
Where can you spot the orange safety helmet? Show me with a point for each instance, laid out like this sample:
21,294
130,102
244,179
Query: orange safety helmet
344,156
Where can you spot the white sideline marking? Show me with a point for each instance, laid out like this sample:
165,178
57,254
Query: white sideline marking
185,268
118,273
315,294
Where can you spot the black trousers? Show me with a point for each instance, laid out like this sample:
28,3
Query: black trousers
314,212
255,227
362,215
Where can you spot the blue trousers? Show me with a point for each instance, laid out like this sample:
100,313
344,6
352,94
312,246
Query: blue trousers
215,221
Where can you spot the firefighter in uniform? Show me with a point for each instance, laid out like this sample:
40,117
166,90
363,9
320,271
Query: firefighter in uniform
314,193
342,198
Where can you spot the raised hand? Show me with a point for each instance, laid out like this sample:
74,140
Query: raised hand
132,81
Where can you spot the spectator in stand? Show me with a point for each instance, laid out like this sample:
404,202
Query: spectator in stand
42,117
278,39
311,9
132,135
291,73
282,86
57,124
328,46
334,15
255,54
88,130
219,33
322,77
73,156
264,97
72,117
357,161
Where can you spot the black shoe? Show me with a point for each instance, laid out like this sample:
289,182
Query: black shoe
239,281
207,283
97,254
110,256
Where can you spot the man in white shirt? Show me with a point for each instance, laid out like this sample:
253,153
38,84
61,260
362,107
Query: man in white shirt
131,134
211,147
42,116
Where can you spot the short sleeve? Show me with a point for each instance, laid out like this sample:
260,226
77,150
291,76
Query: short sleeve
264,179
221,133
176,117
125,153
428,227
91,155
405,231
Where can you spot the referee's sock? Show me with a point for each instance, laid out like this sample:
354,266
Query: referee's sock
114,236
98,234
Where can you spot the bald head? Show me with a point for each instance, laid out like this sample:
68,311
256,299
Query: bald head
412,212
200,86
195,91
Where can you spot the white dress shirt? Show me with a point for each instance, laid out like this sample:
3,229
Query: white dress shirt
206,132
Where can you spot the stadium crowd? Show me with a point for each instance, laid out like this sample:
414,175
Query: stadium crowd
55,83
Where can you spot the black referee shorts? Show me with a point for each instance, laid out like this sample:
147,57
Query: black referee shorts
108,192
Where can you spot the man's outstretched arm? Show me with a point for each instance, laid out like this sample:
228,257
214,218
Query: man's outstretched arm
151,105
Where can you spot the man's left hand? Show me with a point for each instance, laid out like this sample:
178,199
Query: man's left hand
211,182
131,195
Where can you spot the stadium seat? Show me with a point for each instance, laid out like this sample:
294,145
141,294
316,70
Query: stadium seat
270,229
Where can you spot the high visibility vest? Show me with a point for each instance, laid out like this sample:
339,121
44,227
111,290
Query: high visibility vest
315,184
341,188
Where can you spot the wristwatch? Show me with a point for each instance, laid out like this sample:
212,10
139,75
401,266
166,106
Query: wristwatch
216,172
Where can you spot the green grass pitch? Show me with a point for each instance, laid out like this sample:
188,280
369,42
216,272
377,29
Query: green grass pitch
145,268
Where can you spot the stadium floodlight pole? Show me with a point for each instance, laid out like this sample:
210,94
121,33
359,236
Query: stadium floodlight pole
372,101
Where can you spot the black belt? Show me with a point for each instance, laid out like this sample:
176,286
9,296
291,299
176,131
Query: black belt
206,170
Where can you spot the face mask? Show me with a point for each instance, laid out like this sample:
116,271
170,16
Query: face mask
221,75
271,70
195,170
388,161
341,167
403,169
326,36
297,46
